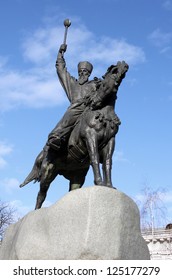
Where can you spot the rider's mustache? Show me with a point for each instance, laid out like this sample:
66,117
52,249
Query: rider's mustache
82,79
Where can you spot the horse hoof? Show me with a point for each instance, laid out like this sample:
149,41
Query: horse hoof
99,183
110,186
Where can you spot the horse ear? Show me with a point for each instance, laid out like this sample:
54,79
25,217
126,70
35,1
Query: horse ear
113,69
110,68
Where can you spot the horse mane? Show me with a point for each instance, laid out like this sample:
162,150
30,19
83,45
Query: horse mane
109,70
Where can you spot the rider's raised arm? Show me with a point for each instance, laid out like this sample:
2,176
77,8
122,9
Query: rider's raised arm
64,76
60,62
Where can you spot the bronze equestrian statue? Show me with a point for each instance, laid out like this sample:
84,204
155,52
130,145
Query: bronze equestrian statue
86,134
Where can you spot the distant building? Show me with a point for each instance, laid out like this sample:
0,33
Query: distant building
159,242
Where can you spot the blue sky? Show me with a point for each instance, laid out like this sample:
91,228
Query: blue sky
32,100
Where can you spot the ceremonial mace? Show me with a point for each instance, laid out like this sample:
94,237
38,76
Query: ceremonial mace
67,23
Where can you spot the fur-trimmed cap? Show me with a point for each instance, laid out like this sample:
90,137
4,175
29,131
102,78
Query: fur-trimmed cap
85,65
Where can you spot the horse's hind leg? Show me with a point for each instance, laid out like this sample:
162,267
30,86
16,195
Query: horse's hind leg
77,181
41,195
74,186
48,174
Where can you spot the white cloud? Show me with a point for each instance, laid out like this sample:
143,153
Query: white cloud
3,62
119,157
117,50
167,5
165,50
33,90
4,150
38,85
161,39
10,184
168,197
23,209
20,208
39,46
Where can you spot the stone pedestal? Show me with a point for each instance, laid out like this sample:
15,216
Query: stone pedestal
87,224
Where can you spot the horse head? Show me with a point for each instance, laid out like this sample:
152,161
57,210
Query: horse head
117,72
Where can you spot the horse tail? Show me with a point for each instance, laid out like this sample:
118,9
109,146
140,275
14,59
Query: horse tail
34,175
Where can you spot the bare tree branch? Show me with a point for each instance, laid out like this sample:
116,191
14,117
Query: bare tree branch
152,208
7,216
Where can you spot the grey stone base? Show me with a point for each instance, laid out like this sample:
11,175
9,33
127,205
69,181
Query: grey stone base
88,224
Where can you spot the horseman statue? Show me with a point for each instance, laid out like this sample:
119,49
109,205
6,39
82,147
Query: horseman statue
86,133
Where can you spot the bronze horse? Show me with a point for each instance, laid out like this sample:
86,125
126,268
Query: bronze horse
91,142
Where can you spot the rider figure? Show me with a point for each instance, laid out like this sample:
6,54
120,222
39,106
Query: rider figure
76,90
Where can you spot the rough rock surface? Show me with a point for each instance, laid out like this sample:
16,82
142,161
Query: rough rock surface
90,223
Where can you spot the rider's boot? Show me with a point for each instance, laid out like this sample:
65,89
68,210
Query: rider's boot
55,143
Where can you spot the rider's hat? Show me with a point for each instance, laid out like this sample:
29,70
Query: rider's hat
85,65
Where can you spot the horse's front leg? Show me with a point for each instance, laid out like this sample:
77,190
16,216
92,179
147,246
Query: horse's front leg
107,162
92,147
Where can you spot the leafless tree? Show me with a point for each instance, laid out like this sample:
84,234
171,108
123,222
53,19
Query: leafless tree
7,216
152,209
